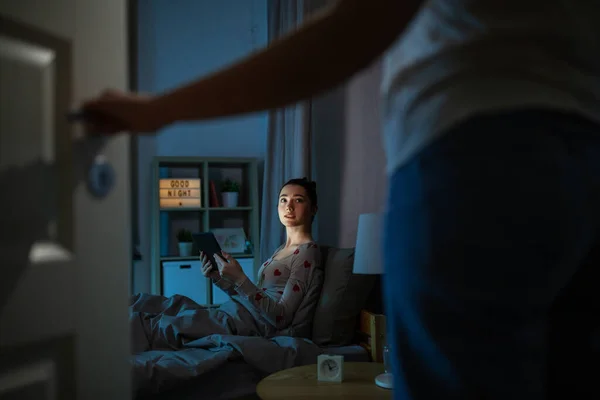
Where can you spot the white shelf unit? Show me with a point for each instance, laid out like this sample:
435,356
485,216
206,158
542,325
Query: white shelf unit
172,274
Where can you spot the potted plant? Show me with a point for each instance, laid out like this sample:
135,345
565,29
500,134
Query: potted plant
184,237
230,193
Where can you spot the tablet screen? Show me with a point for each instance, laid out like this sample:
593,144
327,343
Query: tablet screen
207,243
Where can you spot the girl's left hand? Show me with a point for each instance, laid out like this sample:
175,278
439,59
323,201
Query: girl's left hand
230,268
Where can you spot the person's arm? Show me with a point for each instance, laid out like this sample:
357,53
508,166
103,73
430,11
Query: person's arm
279,312
225,286
323,53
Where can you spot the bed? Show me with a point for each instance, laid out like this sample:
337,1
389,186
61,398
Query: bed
232,366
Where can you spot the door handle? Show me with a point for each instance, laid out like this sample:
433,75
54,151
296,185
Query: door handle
91,165
101,177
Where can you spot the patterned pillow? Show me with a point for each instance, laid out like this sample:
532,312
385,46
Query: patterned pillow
343,296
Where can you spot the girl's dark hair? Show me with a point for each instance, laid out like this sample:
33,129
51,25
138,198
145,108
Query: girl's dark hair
309,186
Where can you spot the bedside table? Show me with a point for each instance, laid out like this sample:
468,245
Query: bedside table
302,383
371,334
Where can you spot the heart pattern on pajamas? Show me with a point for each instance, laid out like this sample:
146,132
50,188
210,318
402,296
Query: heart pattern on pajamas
282,285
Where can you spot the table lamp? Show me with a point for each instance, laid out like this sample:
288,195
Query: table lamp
368,259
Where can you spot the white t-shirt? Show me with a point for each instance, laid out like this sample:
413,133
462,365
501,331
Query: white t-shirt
461,57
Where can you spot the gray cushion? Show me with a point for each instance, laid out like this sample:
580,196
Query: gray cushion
343,296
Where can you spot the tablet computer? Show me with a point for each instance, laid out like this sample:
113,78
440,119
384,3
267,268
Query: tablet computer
207,243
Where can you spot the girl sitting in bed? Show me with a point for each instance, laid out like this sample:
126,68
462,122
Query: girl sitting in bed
285,277
253,310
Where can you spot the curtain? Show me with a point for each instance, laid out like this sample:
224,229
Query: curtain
289,144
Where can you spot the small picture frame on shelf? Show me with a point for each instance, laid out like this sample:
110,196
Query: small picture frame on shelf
231,240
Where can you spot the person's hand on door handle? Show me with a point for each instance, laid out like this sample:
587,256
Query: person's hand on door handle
115,111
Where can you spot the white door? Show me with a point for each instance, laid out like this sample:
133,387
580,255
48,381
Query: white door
65,253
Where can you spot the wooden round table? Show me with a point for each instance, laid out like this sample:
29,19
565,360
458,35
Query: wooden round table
302,383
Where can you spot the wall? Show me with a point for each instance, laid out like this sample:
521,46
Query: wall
364,183
350,161
177,43
349,156
197,37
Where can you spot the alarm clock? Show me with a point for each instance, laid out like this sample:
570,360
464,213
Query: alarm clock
330,368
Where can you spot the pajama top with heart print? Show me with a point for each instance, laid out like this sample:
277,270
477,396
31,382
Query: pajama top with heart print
281,286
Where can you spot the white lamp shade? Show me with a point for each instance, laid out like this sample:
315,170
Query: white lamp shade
368,257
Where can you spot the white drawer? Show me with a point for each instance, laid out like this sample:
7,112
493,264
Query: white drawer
185,278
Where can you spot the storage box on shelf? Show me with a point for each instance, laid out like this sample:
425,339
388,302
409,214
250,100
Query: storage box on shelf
187,194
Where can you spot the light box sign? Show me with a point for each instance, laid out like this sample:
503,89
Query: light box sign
179,193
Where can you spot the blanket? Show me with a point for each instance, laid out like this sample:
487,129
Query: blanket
175,340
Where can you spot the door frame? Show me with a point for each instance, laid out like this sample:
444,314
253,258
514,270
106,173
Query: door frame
132,43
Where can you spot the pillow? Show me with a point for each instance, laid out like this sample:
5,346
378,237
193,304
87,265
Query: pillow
343,296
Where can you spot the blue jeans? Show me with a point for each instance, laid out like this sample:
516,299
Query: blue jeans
492,266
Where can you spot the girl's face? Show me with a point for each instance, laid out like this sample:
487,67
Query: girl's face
294,207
